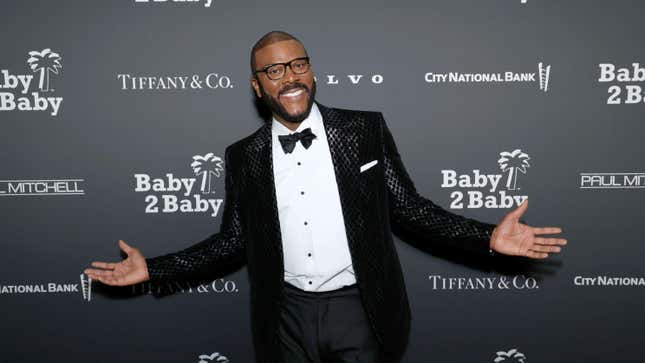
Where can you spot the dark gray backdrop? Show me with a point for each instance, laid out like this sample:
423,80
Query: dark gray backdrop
105,134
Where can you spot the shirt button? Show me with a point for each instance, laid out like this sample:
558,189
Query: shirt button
310,282
305,223
302,192
309,254
298,163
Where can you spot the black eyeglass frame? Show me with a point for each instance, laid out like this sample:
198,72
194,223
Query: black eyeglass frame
286,64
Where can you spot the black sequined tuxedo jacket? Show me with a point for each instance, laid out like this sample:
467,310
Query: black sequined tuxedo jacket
373,201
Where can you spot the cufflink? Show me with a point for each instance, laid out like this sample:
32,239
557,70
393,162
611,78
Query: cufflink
368,165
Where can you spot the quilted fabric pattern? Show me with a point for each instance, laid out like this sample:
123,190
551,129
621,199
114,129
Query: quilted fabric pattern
420,216
372,201
218,251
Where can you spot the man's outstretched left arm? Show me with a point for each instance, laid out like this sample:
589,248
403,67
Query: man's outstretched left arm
426,221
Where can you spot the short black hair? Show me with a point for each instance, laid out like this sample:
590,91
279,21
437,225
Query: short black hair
268,39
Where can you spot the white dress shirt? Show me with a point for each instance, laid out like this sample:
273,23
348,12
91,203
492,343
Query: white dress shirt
314,241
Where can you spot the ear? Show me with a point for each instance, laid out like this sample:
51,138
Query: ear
256,86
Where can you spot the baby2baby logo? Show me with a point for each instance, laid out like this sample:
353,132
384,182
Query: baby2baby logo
171,194
479,190
14,88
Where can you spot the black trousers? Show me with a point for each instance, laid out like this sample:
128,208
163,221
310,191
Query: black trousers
326,327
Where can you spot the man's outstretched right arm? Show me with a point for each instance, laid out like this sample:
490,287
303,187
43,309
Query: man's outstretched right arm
217,252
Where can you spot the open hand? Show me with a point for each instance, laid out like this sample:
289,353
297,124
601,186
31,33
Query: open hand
511,237
130,271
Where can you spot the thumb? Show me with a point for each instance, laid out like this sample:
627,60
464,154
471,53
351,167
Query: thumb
125,247
519,211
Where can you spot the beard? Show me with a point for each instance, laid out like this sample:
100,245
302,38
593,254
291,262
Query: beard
278,109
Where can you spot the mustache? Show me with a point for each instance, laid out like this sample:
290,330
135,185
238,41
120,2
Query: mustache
293,86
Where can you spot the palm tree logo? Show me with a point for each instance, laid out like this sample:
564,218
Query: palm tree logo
513,162
44,62
207,166
512,356
215,357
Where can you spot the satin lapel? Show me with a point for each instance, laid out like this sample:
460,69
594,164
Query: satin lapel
344,147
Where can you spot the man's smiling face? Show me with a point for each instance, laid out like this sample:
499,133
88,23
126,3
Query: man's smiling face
290,98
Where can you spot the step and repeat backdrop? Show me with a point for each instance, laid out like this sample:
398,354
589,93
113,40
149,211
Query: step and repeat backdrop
115,115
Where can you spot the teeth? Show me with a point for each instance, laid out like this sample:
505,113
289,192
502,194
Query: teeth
294,93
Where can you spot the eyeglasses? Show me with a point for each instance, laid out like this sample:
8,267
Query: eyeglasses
276,71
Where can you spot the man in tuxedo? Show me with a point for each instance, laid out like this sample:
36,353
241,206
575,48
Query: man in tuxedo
310,200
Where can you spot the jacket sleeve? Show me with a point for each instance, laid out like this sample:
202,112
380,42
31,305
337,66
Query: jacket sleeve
217,252
419,217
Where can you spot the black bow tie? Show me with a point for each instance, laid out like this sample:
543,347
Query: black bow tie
288,142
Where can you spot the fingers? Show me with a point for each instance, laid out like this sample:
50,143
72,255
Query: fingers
543,246
112,265
538,255
98,273
547,230
106,272
107,279
104,265
550,241
540,248
111,281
